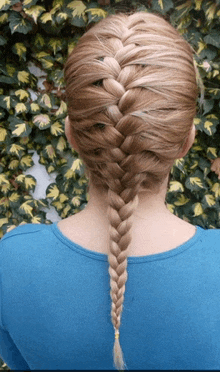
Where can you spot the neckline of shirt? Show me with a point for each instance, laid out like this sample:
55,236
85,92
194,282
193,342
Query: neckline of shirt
131,259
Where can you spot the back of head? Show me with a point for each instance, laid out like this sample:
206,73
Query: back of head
131,94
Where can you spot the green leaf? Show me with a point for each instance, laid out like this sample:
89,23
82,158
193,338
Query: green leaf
18,24
42,121
3,41
162,5
213,38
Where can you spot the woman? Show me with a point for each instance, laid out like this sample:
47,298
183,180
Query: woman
131,92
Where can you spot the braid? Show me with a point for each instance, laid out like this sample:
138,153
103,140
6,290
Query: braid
131,93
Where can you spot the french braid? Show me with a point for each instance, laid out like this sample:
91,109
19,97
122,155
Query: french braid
131,93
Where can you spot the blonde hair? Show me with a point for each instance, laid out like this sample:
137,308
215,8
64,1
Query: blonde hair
131,93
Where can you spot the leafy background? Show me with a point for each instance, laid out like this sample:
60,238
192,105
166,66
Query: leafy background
35,38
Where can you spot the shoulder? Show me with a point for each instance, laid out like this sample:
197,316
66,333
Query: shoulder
23,231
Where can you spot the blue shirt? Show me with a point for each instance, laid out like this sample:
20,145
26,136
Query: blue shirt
55,304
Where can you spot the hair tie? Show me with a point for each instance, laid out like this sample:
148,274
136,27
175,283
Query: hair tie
116,333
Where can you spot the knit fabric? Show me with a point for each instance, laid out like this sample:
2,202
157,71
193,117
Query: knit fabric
55,304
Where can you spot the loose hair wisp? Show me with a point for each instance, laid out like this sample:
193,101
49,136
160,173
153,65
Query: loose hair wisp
131,93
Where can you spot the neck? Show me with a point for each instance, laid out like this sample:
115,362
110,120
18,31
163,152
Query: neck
149,205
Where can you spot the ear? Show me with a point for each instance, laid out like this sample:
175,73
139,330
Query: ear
69,134
188,143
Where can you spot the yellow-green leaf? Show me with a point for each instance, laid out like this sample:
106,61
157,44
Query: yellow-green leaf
20,178
58,205
69,174
46,17
3,17
216,189
3,134
62,109
50,152
35,107
23,76
170,207
207,125
36,219
54,192
55,44
212,150
210,12
65,211
63,198
176,186
30,182
201,45
160,2
210,200
13,164
27,208
22,94
42,121
20,129
15,148
76,201
34,11
20,107
197,209
26,161
181,200
56,129
61,144
198,4
14,197
196,181
3,179
10,70
76,165
3,221
46,100
196,121
98,12
20,49
7,100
